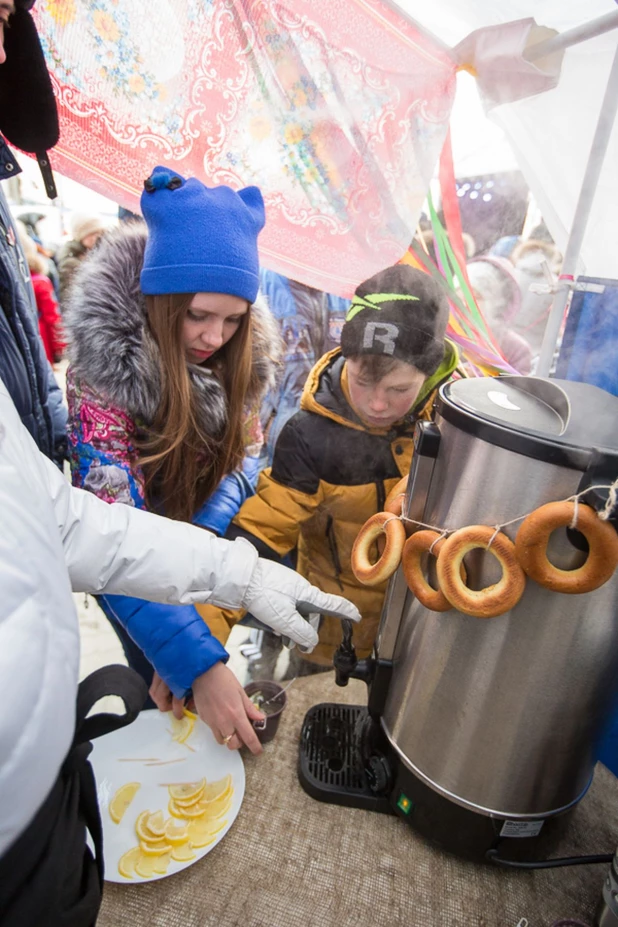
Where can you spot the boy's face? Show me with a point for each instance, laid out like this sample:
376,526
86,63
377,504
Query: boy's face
382,404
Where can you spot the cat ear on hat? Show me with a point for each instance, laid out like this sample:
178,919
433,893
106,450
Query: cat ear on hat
254,201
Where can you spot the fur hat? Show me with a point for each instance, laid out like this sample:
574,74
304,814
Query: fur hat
82,226
401,312
200,239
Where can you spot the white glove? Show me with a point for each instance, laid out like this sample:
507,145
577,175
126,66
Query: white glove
279,597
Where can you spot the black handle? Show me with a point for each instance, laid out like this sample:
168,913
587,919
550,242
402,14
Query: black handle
427,439
601,471
108,680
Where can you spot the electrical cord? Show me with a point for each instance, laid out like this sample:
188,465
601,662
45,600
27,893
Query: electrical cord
492,857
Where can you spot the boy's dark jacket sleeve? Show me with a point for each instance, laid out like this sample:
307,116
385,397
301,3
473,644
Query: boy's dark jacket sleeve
287,495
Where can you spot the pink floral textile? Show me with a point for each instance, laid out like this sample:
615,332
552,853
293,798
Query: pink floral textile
337,110
102,450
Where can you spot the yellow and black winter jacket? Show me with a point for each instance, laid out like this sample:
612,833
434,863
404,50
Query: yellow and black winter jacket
330,473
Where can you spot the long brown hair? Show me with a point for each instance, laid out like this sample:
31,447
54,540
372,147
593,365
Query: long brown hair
182,463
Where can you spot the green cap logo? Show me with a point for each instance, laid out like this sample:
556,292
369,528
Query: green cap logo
375,300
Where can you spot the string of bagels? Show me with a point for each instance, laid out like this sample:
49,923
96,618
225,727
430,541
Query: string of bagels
526,557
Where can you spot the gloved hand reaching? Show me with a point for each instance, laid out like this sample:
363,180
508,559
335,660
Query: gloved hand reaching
279,597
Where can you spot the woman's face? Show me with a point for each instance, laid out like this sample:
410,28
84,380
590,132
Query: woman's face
210,322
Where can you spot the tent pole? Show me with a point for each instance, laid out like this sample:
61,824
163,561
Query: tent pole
572,36
598,150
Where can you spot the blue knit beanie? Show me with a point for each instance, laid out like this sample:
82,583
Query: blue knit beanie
200,239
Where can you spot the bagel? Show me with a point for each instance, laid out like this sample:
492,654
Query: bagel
413,550
395,499
493,600
372,574
531,548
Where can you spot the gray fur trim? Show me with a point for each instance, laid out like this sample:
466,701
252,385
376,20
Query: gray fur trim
112,350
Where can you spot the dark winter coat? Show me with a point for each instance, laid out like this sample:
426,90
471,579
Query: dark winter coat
24,368
330,473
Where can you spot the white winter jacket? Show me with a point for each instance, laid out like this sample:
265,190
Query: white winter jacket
54,538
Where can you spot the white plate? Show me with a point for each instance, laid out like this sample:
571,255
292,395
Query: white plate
149,738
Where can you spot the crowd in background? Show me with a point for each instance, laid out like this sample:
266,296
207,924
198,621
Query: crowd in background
510,280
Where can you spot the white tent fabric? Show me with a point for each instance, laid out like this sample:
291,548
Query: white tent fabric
551,133
450,21
480,146
495,55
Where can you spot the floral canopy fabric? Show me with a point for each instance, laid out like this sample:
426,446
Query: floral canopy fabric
336,109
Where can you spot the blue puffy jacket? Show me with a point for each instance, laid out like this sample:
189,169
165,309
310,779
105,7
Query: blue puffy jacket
218,511
155,628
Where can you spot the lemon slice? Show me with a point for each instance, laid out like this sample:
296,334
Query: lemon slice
143,831
183,854
188,792
161,864
121,800
151,849
156,824
174,834
146,866
208,809
184,803
214,809
203,841
186,812
126,863
141,825
201,833
214,790
154,842
182,727
175,811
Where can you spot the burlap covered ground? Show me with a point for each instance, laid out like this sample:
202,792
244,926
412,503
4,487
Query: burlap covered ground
290,861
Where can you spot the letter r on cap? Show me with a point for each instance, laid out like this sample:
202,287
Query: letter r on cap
383,332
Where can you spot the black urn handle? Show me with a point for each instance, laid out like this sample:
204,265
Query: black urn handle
601,471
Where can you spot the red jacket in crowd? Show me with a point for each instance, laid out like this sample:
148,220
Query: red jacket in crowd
49,317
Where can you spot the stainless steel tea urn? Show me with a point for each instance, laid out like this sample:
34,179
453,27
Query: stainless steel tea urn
500,717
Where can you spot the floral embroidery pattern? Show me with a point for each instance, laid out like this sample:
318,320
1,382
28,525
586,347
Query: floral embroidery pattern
102,453
337,111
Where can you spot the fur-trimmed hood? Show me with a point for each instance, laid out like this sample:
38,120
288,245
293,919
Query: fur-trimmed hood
111,347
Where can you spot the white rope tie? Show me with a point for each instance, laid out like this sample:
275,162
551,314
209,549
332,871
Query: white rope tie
433,543
421,524
612,501
573,524
494,536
